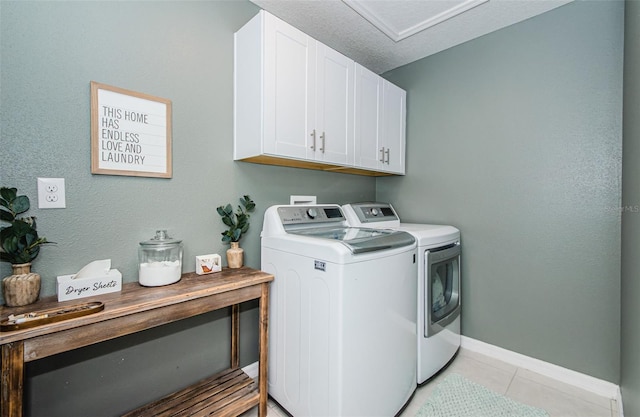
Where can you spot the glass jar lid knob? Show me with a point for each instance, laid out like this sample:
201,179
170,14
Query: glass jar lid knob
161,235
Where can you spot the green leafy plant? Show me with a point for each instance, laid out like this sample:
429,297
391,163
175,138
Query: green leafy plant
19,242
237,222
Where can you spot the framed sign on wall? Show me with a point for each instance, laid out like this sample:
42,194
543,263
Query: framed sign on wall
130,133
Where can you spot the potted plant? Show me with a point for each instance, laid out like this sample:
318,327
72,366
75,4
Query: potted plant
238,223
19,245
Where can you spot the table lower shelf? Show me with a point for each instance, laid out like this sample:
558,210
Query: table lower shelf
228,393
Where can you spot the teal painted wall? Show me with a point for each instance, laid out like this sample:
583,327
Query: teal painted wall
179,50
630,346
516,138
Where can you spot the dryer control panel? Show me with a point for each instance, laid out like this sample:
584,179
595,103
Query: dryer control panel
373,212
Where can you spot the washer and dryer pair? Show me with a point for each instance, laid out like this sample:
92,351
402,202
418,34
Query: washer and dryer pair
439,296
343,323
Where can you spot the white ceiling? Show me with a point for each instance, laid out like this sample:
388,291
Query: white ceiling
386,34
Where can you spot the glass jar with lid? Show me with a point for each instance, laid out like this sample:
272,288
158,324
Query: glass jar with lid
160,260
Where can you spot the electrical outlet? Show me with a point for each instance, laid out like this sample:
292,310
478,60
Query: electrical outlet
51,193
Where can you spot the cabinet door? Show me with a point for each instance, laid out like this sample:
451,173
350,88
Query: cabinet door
368,99
334,106
394,101
289,71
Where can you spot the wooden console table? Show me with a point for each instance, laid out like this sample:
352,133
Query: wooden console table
137,308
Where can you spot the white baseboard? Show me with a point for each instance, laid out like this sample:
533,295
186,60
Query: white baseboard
251,370
597,386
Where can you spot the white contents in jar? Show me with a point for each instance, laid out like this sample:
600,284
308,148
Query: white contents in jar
153,274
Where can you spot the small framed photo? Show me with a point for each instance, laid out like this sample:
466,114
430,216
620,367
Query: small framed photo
130,133
206,264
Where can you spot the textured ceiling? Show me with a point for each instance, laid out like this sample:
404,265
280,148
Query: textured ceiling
386,34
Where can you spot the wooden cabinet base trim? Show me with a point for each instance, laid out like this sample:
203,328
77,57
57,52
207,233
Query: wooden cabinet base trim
318,166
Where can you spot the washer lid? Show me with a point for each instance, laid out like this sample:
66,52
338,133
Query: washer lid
358,239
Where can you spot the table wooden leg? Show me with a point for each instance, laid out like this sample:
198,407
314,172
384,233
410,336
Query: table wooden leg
12,379
263,350
235,336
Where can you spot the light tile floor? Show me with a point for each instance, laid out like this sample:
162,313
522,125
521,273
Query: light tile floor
522,385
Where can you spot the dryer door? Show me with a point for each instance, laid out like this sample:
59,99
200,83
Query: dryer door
442,287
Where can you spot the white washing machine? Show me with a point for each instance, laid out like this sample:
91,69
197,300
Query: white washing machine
342,324
439,297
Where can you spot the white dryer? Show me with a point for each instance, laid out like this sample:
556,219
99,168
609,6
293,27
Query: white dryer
342,322
439,296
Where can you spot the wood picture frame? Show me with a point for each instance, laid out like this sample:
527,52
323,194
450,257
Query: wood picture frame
130,133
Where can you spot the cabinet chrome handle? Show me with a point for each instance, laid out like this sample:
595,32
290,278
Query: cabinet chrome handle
322,137
313,135
382,155
387,152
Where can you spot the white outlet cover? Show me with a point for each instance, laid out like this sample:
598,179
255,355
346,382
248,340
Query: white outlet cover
51,193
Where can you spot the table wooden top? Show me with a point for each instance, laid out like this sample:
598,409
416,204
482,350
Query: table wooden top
135,298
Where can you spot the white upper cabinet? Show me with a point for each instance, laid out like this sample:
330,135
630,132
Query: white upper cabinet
289,89
380,112
334,107
368,103
295,101
392,132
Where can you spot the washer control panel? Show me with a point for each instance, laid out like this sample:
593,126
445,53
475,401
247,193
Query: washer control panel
310,214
